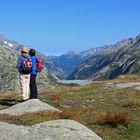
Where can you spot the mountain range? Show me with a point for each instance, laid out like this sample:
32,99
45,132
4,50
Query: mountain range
69,61
74,65
110,62
104,62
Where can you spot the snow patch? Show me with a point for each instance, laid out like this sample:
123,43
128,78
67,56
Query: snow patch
9,44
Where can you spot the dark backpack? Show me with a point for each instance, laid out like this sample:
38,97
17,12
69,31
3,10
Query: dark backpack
39,65
27,65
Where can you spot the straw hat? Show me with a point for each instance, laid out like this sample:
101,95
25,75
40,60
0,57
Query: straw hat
24,49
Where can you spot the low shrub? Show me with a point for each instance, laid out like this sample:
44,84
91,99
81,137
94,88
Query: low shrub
54,97
112,120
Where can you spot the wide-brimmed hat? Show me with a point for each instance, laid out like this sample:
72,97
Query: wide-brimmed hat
24,49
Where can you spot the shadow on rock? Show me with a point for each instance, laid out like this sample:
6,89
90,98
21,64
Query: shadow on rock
9,102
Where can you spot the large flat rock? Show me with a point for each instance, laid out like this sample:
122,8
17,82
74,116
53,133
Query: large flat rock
51,130
135,85
30,106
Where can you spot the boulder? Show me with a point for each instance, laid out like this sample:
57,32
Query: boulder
51,130
30,106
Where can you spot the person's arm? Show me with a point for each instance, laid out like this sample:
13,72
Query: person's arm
19,63
34,63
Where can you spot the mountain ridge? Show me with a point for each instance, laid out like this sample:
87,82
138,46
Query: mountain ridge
103,62
71,60
109,62
9,79
49,64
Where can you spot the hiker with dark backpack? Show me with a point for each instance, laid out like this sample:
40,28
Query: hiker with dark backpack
24,65
36,68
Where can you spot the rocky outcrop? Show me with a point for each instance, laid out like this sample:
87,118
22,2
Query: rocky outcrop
30,106
9,76
51,130
9,79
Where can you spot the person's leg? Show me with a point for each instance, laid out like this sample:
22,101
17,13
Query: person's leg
27,83
22,86
24,83
33,87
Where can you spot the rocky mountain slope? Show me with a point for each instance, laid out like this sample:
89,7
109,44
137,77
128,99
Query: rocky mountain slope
71,60
8,74
68,61
51,66
8,43
110,62
9,77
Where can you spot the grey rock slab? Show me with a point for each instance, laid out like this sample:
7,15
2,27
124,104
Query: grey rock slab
122,85
14,132
137,87
64,130
51,130
30,106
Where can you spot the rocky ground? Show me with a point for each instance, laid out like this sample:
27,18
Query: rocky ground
51,130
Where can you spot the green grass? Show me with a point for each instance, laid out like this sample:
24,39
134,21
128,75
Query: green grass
84,104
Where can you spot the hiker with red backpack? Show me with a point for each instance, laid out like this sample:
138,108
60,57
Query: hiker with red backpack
24,66
37,66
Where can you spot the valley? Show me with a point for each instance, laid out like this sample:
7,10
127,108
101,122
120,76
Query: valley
91,105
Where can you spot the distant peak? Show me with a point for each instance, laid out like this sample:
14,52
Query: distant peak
2,37
71,53
9,43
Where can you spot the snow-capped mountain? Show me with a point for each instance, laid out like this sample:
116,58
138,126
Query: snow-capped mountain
8,43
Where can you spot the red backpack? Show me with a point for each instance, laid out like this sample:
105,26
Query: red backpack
39,65
27,65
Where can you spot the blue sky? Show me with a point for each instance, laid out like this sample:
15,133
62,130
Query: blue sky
57,26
